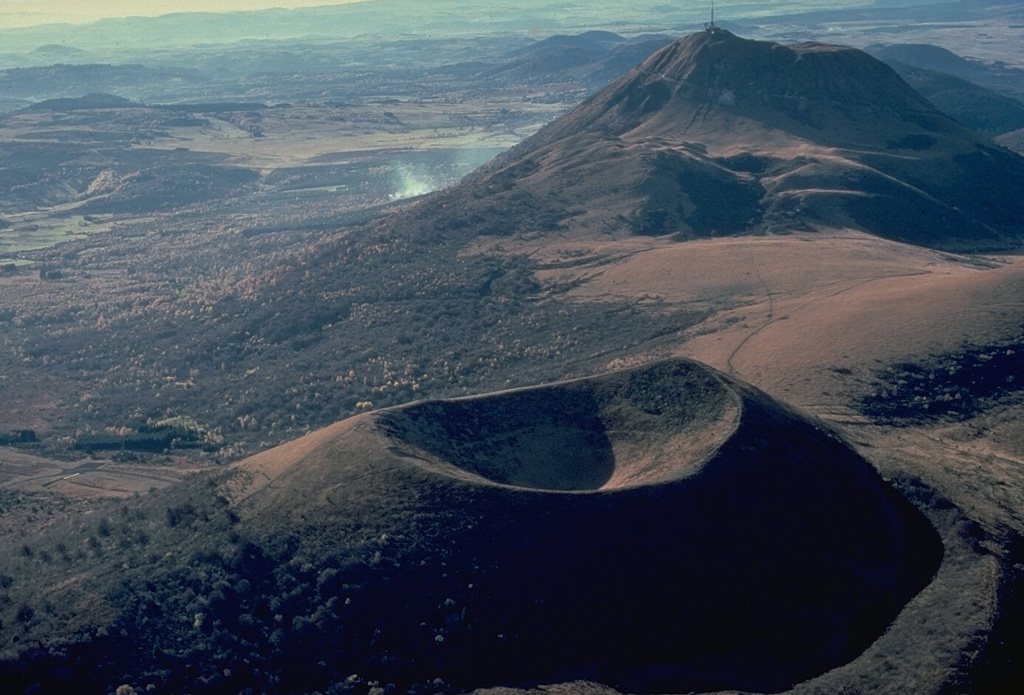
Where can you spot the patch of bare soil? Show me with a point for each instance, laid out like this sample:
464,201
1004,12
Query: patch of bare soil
807,317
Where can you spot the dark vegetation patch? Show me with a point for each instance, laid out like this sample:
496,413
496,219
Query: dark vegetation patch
954,386
691,196
18,437
173,433
97,100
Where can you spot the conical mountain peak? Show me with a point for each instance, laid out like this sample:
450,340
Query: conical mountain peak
716,134
720,59
745,74
832,94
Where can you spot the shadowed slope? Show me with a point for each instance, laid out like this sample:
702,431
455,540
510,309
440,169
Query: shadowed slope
686,533
585,435
715,135
659,529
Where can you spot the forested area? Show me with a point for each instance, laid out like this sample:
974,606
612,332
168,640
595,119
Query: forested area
260,338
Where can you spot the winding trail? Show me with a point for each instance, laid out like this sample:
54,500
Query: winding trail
769,318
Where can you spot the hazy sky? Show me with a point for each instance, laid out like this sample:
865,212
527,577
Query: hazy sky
20,13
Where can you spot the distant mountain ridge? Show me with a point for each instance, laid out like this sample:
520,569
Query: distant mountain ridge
594,57
94,100
923,55
997,75
986,111
716,134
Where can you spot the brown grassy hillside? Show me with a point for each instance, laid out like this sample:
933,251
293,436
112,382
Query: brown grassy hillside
716,135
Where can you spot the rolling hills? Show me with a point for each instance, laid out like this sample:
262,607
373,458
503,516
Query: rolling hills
661,528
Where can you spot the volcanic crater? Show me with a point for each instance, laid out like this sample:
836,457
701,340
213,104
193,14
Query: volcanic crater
578,436
664,528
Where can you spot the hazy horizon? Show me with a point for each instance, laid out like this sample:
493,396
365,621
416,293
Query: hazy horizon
26,13
17,14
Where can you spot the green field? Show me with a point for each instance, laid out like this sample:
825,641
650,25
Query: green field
30,231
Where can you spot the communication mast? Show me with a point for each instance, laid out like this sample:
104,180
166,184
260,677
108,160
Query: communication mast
710,26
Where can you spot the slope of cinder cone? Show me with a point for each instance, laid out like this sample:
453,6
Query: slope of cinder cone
663,529
715,134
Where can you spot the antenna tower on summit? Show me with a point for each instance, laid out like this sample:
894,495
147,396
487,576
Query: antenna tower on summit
710,26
